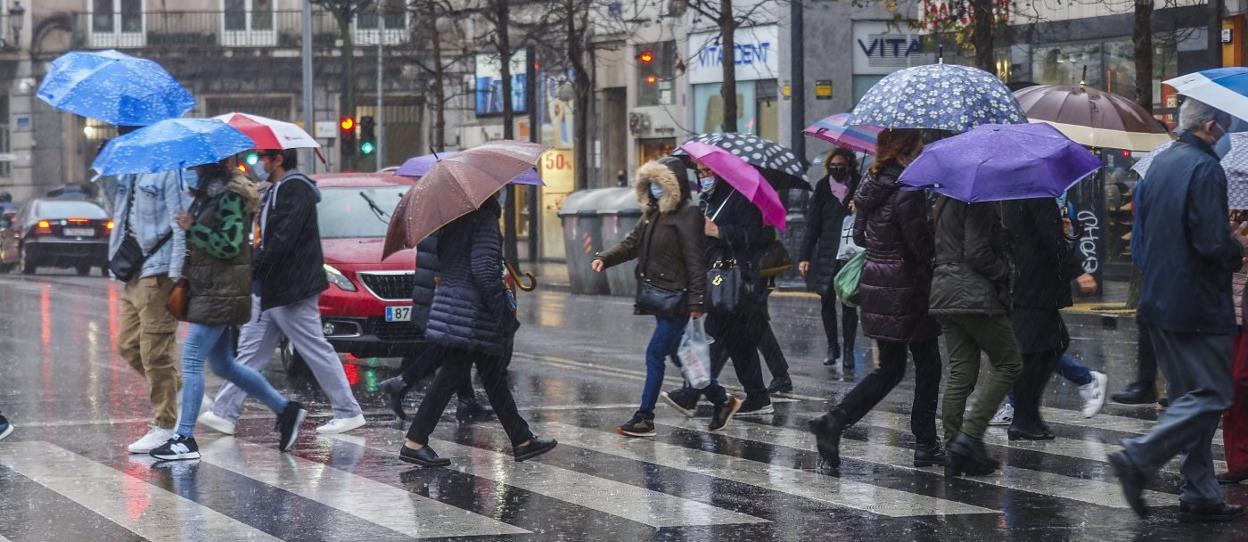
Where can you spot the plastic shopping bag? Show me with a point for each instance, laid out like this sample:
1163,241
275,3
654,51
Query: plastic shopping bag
846,281
848,248
695,354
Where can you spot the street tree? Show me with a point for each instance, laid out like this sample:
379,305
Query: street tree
344,12
444,48
972,23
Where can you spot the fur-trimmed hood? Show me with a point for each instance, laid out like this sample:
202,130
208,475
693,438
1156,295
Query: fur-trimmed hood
669,173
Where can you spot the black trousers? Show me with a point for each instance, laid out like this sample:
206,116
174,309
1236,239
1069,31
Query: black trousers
849,322
739,336
769,347
1038,368
424,363
1147,358
456,370
875,386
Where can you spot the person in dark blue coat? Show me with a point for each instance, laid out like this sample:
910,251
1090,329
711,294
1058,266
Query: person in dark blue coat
1186,252
472,319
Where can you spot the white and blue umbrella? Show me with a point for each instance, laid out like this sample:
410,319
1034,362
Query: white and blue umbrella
938,97
114,87
173,144
1234,163
1223,88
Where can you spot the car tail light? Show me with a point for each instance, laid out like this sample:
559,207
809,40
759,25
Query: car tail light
43,228
78,221
109,225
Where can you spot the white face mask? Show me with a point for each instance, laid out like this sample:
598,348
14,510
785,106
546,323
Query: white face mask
260,171
656,191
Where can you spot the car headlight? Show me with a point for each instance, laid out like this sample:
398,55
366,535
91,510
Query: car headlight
338,279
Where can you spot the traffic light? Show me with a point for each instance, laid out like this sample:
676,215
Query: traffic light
346,136
645,57
368,138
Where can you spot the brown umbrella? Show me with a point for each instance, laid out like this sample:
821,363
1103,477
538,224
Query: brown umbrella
456,186
1093,118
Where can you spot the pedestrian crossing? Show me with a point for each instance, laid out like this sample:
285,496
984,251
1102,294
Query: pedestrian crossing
688,483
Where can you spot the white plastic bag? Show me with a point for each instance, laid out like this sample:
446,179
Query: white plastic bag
848,249
695,354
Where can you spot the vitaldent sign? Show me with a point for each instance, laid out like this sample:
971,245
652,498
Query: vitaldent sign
881,48
757,55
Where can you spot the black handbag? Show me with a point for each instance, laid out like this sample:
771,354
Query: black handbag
724,287
657,300
129,259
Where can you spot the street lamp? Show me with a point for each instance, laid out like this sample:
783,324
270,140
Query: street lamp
17,20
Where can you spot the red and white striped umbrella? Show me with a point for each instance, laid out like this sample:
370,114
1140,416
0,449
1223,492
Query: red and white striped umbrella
270,134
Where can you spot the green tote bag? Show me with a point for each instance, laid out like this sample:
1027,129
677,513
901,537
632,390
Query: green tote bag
846,281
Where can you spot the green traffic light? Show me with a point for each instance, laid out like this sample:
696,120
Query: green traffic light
252,158
367,147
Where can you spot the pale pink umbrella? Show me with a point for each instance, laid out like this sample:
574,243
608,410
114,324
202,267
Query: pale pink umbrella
743,178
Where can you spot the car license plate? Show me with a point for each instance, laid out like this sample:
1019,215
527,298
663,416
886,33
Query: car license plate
398,314
79,232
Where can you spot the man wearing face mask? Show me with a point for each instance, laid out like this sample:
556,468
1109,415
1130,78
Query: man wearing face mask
288,271
1186,250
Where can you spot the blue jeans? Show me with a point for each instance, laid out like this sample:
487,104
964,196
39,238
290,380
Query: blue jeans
1077,373
213,343
664,343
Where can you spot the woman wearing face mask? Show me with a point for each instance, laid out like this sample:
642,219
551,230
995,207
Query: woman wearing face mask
830,205
892,225
218,269
668,244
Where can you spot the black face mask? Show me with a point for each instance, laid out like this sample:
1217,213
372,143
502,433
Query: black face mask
839,173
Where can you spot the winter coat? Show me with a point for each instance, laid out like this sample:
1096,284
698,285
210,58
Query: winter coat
742,237
1181,241
973,271
896,279
289,265
1044,264
157,203
668,241
218,262
470,309
822,240
424,281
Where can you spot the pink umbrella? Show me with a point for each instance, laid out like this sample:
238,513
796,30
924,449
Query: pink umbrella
743,178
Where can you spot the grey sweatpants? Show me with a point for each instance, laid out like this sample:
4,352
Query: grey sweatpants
300,323
1197,368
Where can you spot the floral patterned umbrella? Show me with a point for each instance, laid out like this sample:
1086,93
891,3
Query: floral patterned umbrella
938,97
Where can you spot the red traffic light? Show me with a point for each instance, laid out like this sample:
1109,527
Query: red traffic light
346,123
651,79
646,57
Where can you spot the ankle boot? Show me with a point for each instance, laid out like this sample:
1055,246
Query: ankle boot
847,360
834,354
929,454
827,430
967,455
1023,428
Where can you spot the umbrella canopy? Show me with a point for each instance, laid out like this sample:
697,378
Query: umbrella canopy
938,97
837,131
114,87
778,164
270,134
743,177
1223,88
1093,118
1001,162
456,186
419,166
1234,163
172,144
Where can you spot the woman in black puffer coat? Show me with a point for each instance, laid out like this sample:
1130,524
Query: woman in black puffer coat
822,243
893,226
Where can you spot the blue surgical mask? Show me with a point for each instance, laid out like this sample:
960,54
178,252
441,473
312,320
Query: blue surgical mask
706,183
191,179
261,173
656,191
502,197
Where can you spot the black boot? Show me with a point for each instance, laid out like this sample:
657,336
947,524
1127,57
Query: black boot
395,389
781,384
834,354
1137,393
967,455
928,454
848,361
1028,427
827,430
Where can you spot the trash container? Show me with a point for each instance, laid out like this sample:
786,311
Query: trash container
619,215
582,238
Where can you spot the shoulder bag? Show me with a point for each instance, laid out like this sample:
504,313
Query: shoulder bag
128,261
651,297
179,299
724,281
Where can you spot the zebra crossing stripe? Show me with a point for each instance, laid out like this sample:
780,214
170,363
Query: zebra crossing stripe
809,485
390,507
1096,492
161,515
1108,422
627,501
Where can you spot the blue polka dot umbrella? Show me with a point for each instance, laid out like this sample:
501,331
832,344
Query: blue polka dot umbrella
938,97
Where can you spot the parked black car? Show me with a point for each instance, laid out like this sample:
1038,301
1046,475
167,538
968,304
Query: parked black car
55,232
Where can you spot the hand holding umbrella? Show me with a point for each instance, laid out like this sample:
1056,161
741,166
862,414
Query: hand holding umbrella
743,178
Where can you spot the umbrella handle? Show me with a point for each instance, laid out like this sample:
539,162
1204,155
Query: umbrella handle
515,275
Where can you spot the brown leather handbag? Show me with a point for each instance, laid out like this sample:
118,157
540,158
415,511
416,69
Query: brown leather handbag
179,299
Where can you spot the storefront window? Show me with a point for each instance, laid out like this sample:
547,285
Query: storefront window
708,108
653,149
1064,64
1013,63
655,73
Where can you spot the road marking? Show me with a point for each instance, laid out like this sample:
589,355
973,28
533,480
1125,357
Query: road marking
145,509
388,506
626,501
1015,478
809,485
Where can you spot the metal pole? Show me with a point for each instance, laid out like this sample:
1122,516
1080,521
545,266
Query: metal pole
797,72
381,91
532,88
309,114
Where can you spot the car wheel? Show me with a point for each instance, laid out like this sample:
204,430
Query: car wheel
83,270
292,362
28,264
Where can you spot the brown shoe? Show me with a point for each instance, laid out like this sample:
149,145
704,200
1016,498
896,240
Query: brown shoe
1233,477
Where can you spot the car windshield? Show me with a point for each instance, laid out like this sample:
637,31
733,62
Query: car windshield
69,209
357,212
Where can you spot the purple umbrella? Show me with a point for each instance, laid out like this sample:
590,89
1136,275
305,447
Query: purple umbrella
417,167
997,162
837,131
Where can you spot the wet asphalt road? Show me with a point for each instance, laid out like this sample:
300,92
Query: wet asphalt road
65,474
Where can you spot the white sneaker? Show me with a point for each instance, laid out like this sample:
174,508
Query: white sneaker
341,425
152,440
216,423
1004,415
1093,394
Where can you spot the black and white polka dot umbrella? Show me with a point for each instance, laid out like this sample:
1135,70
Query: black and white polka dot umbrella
778,164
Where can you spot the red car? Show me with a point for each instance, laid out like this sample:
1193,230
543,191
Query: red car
367,309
